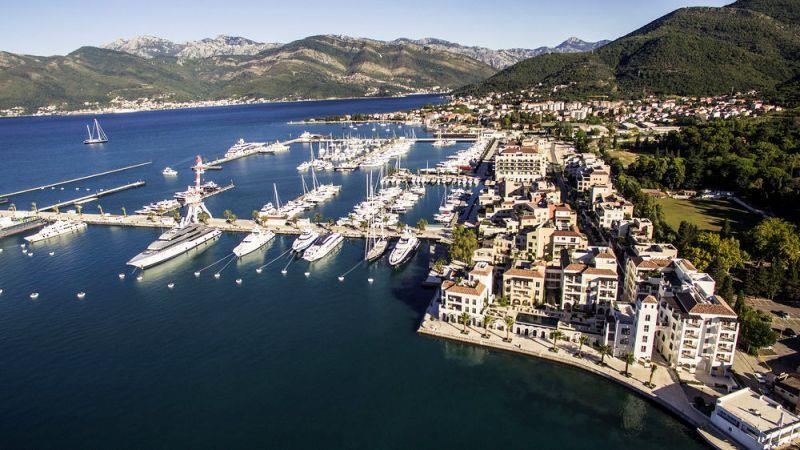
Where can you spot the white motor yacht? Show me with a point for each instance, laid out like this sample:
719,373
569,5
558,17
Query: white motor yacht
253,241
57,228
323,246
306,238
404,249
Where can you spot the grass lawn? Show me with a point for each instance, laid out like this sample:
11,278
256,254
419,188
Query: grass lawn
624,156
706,214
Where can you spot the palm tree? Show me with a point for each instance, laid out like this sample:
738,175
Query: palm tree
604,350
256,216
55,209
34,208
124,212
421,224
79,208
227,214
653,369
464,318
12,207
100,208
509,323
556,336
487,321
629,359
582,340
202,217
317,217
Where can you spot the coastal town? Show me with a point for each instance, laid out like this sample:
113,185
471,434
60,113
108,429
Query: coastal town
562,268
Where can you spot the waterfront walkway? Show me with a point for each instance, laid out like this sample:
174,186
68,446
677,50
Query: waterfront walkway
239,226
665,390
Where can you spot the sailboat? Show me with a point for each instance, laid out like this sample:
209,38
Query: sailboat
96,134
376,242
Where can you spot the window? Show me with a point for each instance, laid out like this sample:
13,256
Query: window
644,348
647,318
646,328
644,338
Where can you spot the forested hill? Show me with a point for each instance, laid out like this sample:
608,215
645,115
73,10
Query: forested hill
748,45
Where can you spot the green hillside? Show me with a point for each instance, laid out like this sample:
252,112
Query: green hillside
315,67
692,51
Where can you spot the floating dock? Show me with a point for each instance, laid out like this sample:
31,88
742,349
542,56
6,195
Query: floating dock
94,196
87,177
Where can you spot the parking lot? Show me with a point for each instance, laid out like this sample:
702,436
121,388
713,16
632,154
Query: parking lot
783,316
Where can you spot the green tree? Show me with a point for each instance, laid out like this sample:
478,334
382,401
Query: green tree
202,217
582,340
464,318
487,322
556,335
422,224
317,218
124,212
256,215
604,350
79,209
710,247
776,238
509,324
653,369
629,359
465,242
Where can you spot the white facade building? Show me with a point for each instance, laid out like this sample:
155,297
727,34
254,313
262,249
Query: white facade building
755,421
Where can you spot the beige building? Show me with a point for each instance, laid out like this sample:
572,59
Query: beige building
524,286
521,164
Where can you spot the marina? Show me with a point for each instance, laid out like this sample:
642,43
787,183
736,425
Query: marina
269,320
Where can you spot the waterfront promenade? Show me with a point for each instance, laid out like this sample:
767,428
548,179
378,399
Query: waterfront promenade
433,232
665,389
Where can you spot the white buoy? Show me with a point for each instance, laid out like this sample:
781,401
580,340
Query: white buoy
21,245
52,253
34,296
197,274
283,271
139,278
341,278
1,292
259,270
216,275
30,253
1,250
307,274
238,281
171,285
81,295
121,276
370,280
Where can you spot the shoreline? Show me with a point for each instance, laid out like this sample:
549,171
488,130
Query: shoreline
701,424
199,105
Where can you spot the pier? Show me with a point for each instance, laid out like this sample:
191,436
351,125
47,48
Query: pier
431,232
95,196
87,177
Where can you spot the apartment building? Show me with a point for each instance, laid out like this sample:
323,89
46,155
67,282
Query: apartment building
755,421
521,164
697,329
590,280
524,286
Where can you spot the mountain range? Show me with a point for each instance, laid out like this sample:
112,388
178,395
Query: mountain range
228,66
747,45
154,47
314,67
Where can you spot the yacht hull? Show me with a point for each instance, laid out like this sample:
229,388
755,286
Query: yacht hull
144,261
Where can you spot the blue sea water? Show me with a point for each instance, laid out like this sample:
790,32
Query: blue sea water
280,361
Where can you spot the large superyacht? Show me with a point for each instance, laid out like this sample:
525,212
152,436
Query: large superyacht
185,236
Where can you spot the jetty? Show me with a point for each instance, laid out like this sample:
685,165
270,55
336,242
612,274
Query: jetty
431,232
94,196
73,180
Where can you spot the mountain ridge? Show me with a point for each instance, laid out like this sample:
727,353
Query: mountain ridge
314,67
690,51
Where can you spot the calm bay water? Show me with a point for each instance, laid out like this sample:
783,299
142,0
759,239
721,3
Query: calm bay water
282,361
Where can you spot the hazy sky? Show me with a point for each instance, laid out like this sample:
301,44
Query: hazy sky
47,27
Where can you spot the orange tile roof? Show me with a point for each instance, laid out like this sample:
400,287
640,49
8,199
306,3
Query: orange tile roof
451,286
523,273
603,272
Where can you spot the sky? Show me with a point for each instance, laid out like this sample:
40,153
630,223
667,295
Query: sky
57,27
